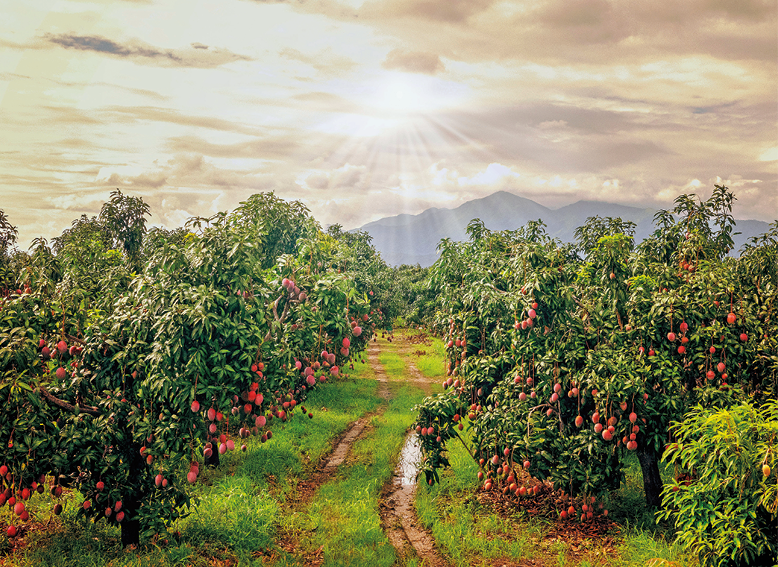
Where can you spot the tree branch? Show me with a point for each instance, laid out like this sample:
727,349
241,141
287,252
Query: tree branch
65,405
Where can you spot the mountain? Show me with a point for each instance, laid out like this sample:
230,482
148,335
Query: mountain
412,239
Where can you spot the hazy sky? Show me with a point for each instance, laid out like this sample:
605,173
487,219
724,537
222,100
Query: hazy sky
364,109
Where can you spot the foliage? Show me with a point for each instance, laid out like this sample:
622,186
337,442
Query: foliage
724,501
8,236
562,365
125,385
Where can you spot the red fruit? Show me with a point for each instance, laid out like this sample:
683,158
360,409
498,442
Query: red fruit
25,494
579,421
3,470
19,508
526,464
571,511
607,435
671,336
58,509
743,337
681,349
710,375
108,512
119,516
563,515
158,480
720,367
731,318
11,531
684,327
61,373
651,352
633,417
712,350
117,506
100,485
211,414
595,417
597,427
87,504
62,347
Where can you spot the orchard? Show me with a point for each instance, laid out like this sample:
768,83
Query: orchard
124,384
562,359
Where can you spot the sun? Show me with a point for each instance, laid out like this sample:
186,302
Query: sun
404,94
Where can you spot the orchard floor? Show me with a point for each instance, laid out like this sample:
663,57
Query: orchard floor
328,491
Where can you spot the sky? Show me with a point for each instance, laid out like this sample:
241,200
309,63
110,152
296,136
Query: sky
366,109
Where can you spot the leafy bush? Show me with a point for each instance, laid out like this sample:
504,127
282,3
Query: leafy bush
724,501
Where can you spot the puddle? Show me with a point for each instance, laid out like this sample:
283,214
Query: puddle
398,514
410,456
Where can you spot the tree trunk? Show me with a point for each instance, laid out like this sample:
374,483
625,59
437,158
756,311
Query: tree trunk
130,533
652,480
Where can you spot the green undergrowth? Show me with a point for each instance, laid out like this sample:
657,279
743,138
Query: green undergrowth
343,518
240,502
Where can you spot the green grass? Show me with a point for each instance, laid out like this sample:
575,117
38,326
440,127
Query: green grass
432,364
343,517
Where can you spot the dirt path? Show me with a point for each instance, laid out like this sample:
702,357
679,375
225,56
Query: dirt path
398,514
396,505
327,469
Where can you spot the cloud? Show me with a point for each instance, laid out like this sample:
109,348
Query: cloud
413,62
346,179
196,55
323,61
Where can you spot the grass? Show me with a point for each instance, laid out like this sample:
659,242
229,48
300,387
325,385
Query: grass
343,518
432,363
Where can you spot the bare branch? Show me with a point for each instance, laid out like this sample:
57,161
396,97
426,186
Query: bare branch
65,405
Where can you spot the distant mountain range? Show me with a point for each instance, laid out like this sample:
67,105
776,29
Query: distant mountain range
412,239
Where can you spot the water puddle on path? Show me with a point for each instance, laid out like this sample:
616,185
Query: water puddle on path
410,456
398,513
